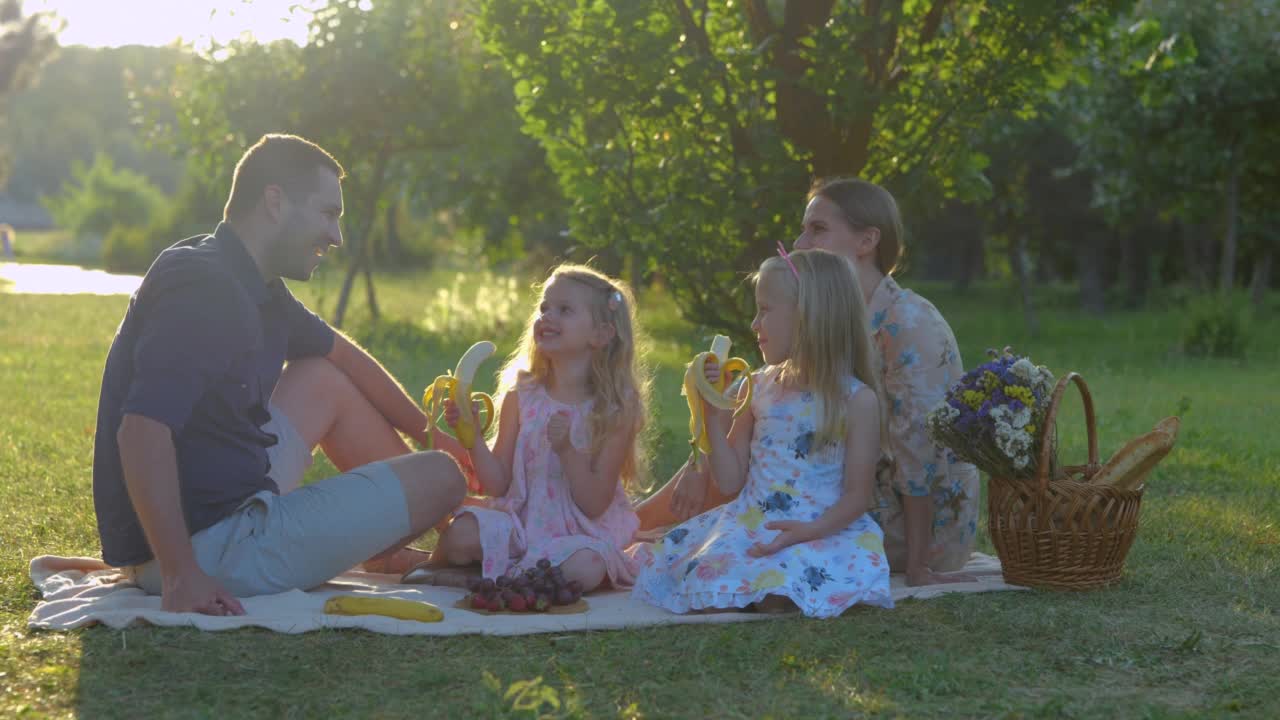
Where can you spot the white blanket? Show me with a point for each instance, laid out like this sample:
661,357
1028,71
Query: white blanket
82,591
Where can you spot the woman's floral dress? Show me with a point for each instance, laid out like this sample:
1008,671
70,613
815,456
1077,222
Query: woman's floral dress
538,517
919,362
703,563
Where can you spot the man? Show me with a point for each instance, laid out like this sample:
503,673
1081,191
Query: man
202,439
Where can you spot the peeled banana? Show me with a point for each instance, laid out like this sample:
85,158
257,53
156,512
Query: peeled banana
696,389
457,387
389,607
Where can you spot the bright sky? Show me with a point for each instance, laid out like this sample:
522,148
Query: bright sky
106,23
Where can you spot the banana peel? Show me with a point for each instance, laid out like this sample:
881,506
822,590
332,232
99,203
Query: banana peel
388,607
696,389
457,387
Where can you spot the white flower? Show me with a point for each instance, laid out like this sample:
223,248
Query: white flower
1024,369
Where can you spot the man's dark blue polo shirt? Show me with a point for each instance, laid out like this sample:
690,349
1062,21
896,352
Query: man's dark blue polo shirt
200,349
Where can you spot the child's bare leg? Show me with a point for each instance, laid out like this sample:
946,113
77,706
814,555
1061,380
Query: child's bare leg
456,551
585,566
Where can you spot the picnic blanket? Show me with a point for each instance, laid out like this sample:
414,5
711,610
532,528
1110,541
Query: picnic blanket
78,592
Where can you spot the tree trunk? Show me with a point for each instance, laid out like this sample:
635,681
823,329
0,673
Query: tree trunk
392,229
340,312
1137,265
1227,273
1192,257
361,257
370,296
1262,278
1018,262
1089,269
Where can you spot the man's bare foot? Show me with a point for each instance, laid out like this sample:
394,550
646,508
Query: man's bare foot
919,578
427,574
395,563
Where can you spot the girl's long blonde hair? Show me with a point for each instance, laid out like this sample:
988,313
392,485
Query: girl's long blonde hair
619,382
831,338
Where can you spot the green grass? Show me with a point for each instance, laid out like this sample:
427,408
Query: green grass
56,246
1193,630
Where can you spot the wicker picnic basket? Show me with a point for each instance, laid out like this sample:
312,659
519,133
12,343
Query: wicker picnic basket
1062,533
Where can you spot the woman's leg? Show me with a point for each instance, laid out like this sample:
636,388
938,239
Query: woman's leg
663,508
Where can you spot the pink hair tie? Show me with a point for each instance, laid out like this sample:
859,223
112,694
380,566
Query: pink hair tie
782,250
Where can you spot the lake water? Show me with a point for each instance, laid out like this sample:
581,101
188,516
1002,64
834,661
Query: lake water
37,279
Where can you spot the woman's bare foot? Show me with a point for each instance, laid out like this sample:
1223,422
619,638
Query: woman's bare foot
925,576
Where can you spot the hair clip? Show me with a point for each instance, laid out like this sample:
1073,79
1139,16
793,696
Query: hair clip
615,300
782,250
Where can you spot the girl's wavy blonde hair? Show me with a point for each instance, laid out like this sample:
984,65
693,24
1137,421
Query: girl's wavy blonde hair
620,380
831,338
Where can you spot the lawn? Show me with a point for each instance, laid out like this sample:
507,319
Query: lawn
1192,630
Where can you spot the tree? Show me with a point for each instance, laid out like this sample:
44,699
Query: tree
1177,117
402,93
81,107
687,131
25,44
100,197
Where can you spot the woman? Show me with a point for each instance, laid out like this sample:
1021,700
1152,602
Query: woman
928,505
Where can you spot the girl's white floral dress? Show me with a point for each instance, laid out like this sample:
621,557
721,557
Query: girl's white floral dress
703,563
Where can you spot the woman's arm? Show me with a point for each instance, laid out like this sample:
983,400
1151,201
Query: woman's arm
592,484
921,363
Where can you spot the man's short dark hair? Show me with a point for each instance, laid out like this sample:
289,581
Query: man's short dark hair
288,161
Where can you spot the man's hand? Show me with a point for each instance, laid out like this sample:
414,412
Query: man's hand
558,432
194,591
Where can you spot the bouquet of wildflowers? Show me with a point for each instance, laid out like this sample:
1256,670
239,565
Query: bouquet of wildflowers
994,416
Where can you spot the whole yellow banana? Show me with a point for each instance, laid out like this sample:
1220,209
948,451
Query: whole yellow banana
457,387
696,389
389,607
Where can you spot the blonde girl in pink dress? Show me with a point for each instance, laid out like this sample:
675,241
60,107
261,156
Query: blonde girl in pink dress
553,484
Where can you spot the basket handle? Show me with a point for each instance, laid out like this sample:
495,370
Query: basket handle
1051,420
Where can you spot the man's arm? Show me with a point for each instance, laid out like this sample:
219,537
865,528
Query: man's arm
373,381
150,466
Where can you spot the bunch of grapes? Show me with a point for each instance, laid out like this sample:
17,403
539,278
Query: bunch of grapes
534,590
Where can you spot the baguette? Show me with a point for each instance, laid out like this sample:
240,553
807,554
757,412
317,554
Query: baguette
1129,467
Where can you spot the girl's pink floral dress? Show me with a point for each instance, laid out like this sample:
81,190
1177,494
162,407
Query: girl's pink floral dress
703,563
537,517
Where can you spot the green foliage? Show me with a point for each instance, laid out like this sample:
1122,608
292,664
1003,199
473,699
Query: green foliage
1217,326
127,249
26,43
404,96
1174,100
686,133
102,196
81,106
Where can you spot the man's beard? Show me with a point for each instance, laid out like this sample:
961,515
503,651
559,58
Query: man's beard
292,251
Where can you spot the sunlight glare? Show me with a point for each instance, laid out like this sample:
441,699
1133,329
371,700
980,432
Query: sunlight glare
97,23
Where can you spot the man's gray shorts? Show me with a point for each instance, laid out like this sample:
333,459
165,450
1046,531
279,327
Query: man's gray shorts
302,537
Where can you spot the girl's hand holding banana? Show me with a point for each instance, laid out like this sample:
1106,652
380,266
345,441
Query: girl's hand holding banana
706,383
452,388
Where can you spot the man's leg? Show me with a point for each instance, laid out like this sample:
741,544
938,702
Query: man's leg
329,412
306,537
